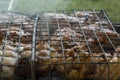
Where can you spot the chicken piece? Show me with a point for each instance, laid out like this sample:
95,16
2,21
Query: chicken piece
88,16
2,36
102,22
88,30
66,32
71,61
96,35
13,46
107,31
27,47
65,18
83,14
118,49
23,69
42,45
8,59
43,61
114,67
106,34
15,33
10,47
99,70
64,68
23,39
16,18
7,72
19,32
67,36
9,42
71,53
26,54
53,15
115,57
8,53
73,75
83,70
41,67
7,47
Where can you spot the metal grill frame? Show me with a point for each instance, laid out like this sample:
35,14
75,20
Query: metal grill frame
35,23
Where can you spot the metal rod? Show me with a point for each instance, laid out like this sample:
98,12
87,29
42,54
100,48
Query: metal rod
111,41
110,23
48,31
10,5
19,41
4,45
33,52
5,42
98,39
61,42
73,37
85,37
96,34
104,31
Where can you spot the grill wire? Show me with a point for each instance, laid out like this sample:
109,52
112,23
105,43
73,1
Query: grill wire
59,45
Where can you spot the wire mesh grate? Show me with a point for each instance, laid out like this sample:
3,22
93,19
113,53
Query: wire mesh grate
59,45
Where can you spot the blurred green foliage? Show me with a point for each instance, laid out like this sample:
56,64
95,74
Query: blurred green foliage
36,6
111,6
4,4
31,6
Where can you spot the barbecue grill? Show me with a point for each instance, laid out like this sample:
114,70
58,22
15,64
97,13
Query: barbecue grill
59,45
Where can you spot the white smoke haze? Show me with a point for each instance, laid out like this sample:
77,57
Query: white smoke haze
35,6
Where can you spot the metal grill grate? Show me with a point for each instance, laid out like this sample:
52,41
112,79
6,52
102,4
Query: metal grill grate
59,45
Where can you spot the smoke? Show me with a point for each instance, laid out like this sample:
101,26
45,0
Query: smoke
36,6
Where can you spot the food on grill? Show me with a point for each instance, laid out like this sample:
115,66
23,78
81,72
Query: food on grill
8,59
7,71
14,17
42,45
8,53
67,36
42,60
2,35
118,49
83,14
64,18
80,45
